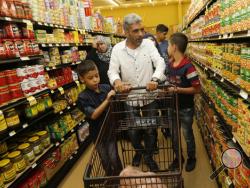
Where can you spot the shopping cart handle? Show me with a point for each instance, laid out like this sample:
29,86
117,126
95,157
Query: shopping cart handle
161,86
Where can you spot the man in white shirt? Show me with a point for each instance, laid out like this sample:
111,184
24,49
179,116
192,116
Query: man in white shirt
136,62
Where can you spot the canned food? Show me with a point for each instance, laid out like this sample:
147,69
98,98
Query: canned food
4,94
8,170
3,81
15,91
11,76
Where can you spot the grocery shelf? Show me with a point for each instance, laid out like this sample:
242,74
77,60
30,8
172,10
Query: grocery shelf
226,127
62,66
200,12
23,100
98,32
20,59
63,171
64,87
37,23
23,175
67,109
228,37
46,45
25,126
240,91
9,19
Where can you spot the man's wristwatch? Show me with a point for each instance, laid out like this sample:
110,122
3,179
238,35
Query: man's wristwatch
156,80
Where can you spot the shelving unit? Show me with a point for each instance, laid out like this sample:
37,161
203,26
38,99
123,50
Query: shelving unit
212,62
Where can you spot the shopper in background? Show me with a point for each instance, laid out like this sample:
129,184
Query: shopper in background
100,54
183,74
94,102
161,33
136,62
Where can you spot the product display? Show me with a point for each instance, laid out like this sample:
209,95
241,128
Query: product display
83,132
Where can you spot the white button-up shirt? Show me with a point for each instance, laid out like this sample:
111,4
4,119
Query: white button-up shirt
137,66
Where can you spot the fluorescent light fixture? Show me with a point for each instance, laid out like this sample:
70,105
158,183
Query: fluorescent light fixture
150,1
114,3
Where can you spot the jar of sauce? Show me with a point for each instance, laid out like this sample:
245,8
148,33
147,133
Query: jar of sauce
45,139
36,143
8,171
27,152
3,125
18,161
12,118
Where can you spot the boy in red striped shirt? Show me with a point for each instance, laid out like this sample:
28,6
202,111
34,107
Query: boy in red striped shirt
183,74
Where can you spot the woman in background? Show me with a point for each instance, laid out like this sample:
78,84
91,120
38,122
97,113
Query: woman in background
100,54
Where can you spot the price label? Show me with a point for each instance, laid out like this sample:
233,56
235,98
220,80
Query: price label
57,144
214,74
24,58
205,68
54,67
78,62
61,90
25,125
47,68
234,140
57,45
243,94
231,35
43,45
61,112
225,36
222,80
248,33
52,91
39,23
62,139
12,133
66,44
68,107
75,152
32,100
7,19
228,181
70,158
46,24
50,45
51,25
77,83
74,104
80,123
72,130
1,112
34,165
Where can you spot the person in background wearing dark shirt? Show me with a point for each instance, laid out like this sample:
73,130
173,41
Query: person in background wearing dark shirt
94,102
161,33
183,74
100,54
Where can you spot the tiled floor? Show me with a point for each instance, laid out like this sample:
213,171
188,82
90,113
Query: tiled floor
195,179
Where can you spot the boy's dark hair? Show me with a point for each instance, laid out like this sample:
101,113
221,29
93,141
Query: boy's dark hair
86,66
180,40
161,28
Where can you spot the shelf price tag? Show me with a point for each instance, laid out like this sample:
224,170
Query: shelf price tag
52,91
62,139
39,23
248,33
34,165
72,130
225,36
25,125
47,68
57,45
12,133
61,112
70,158
24,58
77,83
222,80
54,67
76,152
231,35
228,181
1,112
46,24
74,104
61,90
8,19
243,94
43,45
57,144
32,100
68,107
50,45
234,140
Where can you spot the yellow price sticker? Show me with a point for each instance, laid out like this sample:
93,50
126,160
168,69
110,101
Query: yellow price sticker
61,90
32,100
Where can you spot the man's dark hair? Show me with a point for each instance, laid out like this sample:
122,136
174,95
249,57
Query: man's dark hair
180,40
86,66
161,28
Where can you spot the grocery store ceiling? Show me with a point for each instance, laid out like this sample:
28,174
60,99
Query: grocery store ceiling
126,3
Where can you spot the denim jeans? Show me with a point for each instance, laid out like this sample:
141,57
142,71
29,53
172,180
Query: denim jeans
186,122
149,135
108,153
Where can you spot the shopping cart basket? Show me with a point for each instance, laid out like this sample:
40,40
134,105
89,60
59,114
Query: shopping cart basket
129,112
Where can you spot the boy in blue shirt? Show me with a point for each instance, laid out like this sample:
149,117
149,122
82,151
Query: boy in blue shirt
94,102
183,74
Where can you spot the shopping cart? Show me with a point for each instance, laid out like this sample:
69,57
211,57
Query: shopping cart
127,113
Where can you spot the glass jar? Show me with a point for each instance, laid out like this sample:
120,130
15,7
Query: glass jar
8,170
27,152
1,180
18,161
48,101
36,143
3,148
3,124
45,139
31,111
12,147
40,105
12,118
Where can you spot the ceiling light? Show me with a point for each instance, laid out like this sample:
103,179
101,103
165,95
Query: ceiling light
114,3
150,1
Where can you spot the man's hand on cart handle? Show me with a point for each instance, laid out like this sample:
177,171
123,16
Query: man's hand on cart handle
122,87
171,89
151,86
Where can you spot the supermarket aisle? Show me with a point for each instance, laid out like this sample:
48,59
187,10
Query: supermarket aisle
196,179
